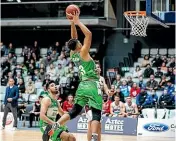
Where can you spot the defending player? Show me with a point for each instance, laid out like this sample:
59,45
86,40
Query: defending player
88,90
104,88
49,109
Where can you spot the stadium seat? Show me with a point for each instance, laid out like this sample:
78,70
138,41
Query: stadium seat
43,52
39,91
26,97
148,113
140,60
163,51
26,114
128,74
32,98
136,80
18,51
144,51
38,85
137,64
153,52
93,50
158,80
3,89
20,60
171,52
159,93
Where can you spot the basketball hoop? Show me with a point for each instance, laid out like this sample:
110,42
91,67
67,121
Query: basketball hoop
139,22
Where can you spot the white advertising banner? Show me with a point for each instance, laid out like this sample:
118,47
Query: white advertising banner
9,120
156,127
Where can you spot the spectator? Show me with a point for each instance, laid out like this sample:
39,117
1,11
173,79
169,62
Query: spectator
5,67
117,108
35,111
69,71
163,67
118,81
165,99
153,98
42,66
129,81
131,109
171,74
27,60
4,50
158,74
119,93
17,78
36,75
57,47
41,75
170,87
24,70
50,50
18,69
11,103
36,49
52,72
157,61
44,92
21,86
163,82
12,59
47,79
25,52
68,104
141,82
30,88
142,99
172,63
31,70
125,89
11,49
152,83
32,61
106,105
48,60
61,60
137,72
112,92
34,57
135,90
148,71
54,55
60,71
146,61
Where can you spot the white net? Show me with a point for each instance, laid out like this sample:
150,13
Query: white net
138,23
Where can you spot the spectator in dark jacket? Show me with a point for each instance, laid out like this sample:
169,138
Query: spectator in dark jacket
21,86
158,74
153,98
148,71
165,99
157,61
163,82
129,81
170,87
18,69
152,83
141,82
142,99
5,67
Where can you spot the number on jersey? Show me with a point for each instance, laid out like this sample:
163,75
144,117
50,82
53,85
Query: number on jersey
81,69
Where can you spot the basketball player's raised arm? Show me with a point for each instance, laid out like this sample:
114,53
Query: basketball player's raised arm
44,107
74,34
106,89
87,40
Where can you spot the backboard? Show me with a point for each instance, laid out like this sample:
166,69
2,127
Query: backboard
161,12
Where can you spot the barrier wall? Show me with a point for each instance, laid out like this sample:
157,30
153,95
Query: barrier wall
116,126
156,127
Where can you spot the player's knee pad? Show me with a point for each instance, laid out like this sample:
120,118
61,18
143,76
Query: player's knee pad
75,111
96,114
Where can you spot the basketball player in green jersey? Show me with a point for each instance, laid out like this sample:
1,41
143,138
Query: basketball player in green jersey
49,109
88,90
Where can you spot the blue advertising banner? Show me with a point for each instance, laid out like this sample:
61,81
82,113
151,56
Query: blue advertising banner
110,125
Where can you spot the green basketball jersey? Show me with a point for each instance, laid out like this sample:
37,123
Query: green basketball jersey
86,68
51,112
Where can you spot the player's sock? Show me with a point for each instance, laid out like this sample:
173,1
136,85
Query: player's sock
94,137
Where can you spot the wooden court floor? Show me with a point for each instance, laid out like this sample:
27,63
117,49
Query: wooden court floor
28,135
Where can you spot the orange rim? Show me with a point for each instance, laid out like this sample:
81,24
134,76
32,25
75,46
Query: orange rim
135,13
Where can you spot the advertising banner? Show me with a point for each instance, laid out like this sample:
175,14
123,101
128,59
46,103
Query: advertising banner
9,120
110,125
156,127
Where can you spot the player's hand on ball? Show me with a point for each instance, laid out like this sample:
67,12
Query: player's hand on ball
75,17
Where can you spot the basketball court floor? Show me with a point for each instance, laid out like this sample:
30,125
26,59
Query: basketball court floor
33,135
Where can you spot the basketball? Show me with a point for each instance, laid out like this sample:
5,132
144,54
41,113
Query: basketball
71,9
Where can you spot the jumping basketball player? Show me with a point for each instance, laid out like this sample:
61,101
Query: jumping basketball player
88,90
104,88
49,109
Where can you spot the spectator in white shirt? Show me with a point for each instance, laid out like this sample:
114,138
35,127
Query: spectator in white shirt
52,72
137,72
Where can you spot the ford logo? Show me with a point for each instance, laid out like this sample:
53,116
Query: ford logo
156,127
